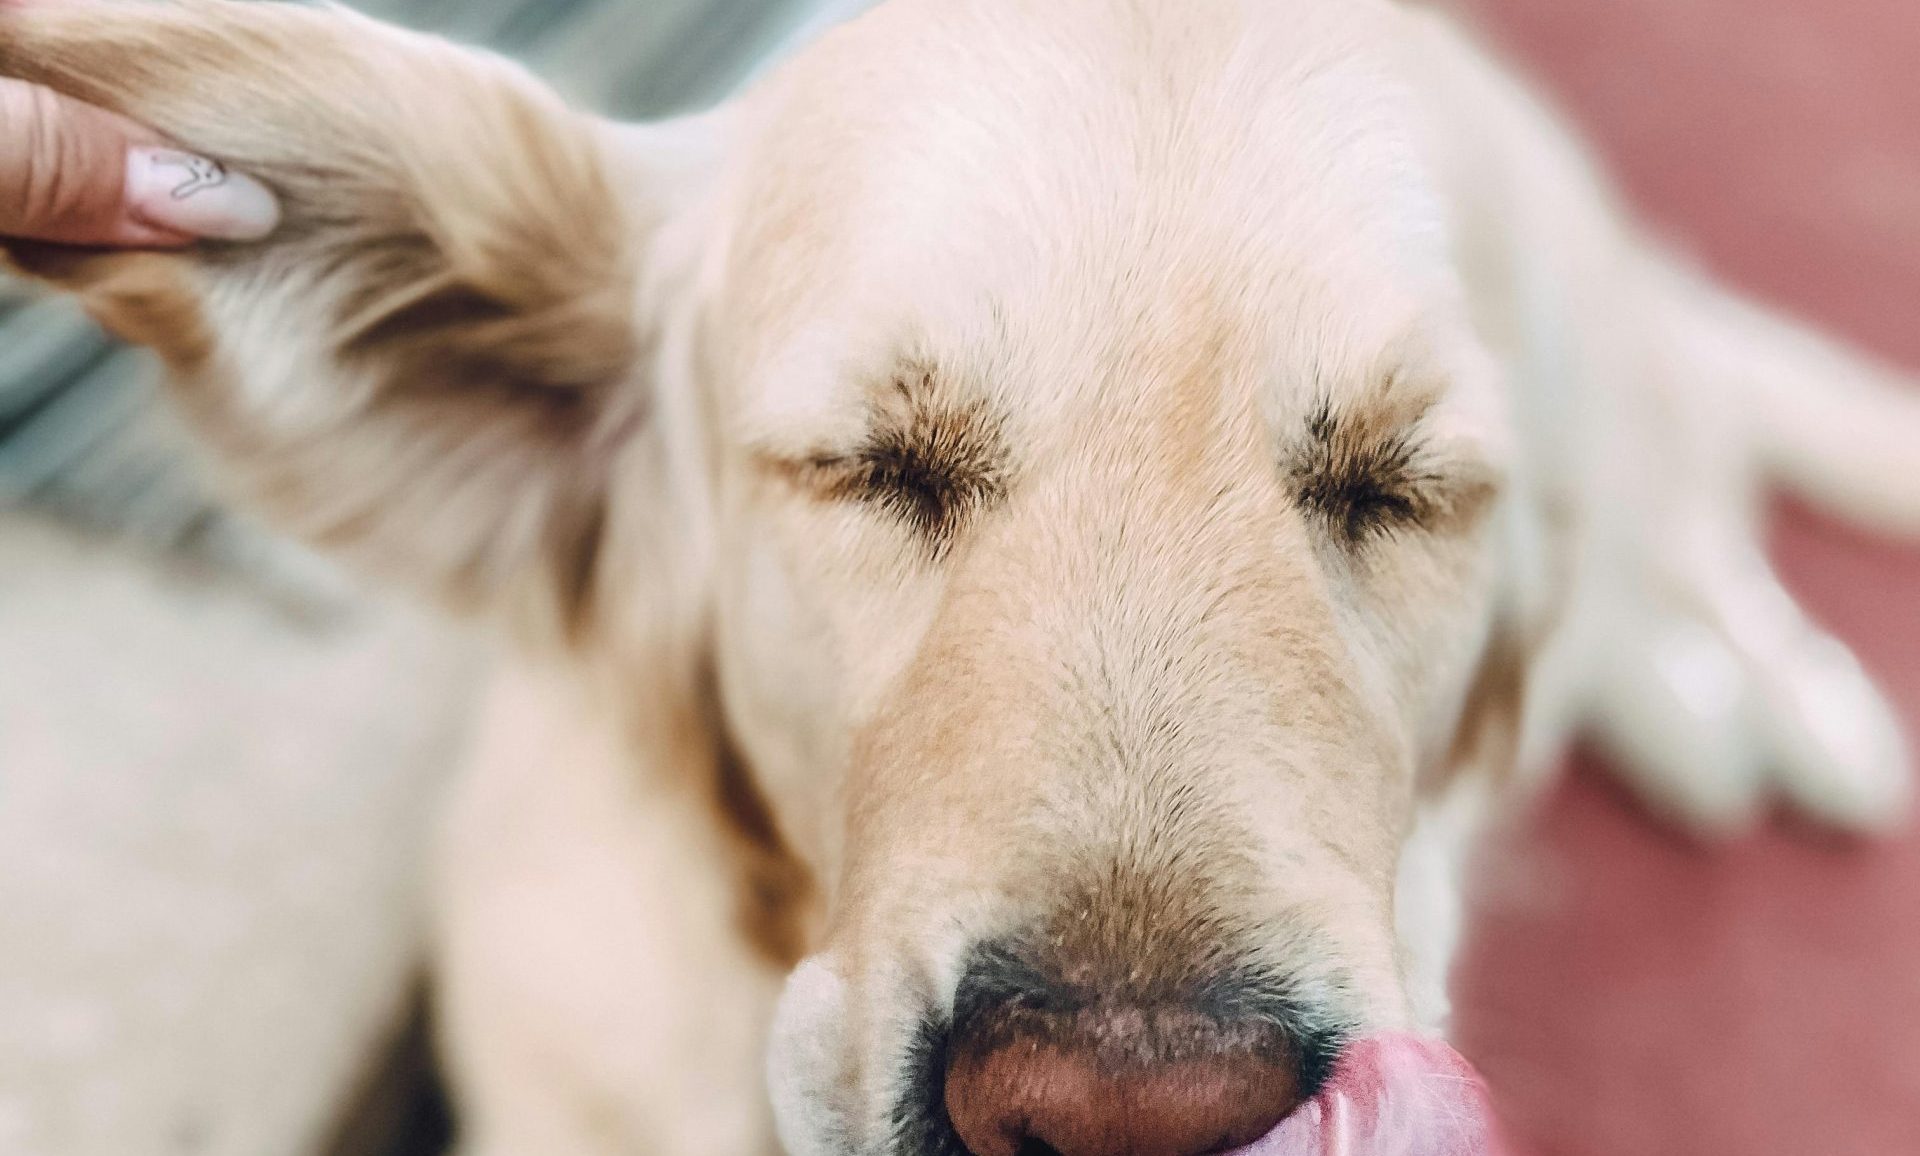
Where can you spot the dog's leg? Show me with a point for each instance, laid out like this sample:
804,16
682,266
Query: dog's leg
1725,692
596,994
1830,423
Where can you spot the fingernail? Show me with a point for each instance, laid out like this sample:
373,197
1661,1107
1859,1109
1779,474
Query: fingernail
170,189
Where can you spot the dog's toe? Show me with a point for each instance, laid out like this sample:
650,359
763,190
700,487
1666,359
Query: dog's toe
1676,711
1837,750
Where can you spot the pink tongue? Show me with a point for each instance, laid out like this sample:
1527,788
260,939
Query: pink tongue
1391,1096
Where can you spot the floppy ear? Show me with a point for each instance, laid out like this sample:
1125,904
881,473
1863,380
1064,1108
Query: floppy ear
440,362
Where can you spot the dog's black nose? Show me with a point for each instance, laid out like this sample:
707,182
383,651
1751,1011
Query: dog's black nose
1035,1068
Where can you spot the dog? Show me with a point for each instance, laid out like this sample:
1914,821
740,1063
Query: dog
1026,549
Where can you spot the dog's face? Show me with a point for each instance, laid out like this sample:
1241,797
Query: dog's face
1104,535
1059,425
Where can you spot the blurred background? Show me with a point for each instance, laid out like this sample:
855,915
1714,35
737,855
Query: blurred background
219,761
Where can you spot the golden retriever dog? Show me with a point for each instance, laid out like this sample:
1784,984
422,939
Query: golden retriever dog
1025,548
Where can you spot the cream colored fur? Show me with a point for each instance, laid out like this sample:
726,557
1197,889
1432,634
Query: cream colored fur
621,390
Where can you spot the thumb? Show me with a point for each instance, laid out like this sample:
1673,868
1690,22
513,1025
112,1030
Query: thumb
74,174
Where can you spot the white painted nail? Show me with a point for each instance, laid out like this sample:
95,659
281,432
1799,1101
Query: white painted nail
176,190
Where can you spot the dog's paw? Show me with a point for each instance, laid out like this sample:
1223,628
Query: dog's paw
1716,716
1675,708
1836,749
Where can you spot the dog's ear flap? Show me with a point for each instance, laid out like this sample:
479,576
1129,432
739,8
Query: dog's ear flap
440,358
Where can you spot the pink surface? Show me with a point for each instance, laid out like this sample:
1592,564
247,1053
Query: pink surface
1628,993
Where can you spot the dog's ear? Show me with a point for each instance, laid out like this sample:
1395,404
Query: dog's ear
442,358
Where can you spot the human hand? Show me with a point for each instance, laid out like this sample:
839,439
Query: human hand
74,174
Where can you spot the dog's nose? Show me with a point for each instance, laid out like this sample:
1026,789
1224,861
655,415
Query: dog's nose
1116,1081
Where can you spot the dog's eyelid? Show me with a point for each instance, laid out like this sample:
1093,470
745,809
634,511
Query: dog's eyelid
929,469
1466,464
1459,433
1465,454
1365,478
794,459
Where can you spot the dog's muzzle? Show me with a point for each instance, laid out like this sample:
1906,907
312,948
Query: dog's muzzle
1024,1067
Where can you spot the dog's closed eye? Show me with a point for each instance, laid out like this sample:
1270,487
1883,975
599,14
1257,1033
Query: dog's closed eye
931,467
1362,482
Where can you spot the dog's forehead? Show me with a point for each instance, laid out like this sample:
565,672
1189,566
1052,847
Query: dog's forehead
1037,196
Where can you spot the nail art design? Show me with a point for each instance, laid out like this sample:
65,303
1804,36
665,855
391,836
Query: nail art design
202,173
183,193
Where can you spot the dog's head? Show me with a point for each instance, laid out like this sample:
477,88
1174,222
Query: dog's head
1055,431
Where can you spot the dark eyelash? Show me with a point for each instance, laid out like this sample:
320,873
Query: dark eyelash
933,472
1360,487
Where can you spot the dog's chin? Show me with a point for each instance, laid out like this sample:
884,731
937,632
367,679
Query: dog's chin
1391,1096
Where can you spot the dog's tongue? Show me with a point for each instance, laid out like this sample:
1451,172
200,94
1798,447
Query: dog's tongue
1391,1096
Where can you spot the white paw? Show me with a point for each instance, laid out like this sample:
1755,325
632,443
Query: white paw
1712,726
1837,750
1675,708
